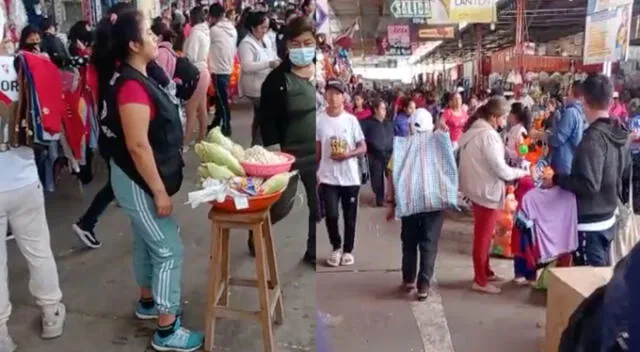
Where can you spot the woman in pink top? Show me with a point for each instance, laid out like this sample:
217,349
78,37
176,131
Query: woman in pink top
360,110
166,56
455,117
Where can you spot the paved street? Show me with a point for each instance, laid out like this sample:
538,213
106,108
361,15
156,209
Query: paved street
367,312
100,290
361,304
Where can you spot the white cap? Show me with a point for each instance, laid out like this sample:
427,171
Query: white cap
421,121
616,95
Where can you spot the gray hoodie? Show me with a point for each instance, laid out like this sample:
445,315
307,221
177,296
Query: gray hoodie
224,37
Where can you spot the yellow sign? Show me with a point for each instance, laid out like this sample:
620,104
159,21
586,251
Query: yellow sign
472,11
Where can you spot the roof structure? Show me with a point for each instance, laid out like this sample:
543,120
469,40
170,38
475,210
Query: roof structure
545,20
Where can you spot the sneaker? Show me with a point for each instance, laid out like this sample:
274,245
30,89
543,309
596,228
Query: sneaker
6,342
521,281
182,340
334,259
87,237
408,286
143,313
422,294
10,236
53,320
489,289
310,259
347,259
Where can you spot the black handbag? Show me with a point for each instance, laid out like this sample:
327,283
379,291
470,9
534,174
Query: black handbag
280,209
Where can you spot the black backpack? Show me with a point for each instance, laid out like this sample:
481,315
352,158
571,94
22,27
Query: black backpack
186,76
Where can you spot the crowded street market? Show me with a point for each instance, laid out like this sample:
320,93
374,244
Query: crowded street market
319,175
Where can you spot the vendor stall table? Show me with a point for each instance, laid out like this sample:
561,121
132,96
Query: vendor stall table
568,287
220,280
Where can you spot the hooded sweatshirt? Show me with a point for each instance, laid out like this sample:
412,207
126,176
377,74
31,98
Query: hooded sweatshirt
595,179
224,37
196,47
483,169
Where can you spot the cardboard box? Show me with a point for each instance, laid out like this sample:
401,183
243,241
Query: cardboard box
568,287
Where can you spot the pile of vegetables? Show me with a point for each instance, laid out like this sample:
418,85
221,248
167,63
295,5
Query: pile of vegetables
220,160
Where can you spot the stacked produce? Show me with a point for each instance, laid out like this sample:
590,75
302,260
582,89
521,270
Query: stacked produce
221,159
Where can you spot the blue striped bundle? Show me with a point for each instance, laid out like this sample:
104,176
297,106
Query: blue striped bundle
425,174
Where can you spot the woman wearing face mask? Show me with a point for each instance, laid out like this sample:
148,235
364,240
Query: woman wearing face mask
30,39
483,173
309,9
142,133
288,112
257,59
196,48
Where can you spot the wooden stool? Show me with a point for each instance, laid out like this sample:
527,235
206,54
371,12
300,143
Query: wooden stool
220,280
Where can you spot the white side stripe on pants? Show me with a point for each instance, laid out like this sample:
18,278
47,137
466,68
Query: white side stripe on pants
147,219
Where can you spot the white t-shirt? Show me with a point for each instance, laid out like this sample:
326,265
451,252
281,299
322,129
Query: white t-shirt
19,169
342,132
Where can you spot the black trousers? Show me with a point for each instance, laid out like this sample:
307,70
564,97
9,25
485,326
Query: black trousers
420,233
377,171
222,116
333,198
100,202
309,181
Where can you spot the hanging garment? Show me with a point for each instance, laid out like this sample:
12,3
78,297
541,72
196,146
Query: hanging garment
555,215
47,84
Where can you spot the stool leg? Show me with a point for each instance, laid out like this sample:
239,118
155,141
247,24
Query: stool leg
263,291
273,271
224,268
214,282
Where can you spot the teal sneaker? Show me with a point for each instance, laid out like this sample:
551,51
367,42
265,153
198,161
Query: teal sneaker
143,313
182,340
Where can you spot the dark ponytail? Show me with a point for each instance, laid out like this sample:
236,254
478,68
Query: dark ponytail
495,106
114,34
102,55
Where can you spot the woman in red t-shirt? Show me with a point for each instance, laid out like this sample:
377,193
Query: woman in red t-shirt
455,117
360,110
157,246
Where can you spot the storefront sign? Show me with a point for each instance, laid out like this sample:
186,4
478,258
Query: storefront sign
472,11
399,38
603,5
607,36
436,33
411,9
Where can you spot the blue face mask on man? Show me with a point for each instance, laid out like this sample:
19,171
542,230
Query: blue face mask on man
302,56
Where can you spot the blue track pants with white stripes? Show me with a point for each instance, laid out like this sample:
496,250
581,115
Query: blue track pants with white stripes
157,246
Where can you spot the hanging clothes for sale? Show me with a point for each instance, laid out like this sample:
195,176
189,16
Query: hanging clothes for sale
553,235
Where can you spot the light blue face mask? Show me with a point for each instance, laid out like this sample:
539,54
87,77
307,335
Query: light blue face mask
302,56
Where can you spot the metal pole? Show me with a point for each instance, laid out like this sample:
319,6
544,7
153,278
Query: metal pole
479,38
520,12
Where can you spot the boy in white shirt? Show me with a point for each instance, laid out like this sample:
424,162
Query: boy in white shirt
339,144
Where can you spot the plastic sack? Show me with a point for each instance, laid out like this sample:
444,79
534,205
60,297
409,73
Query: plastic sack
628,233
425,174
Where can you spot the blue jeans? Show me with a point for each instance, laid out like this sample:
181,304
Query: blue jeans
594,248
222,117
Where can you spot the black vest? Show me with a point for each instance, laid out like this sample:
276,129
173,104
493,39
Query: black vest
165,132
